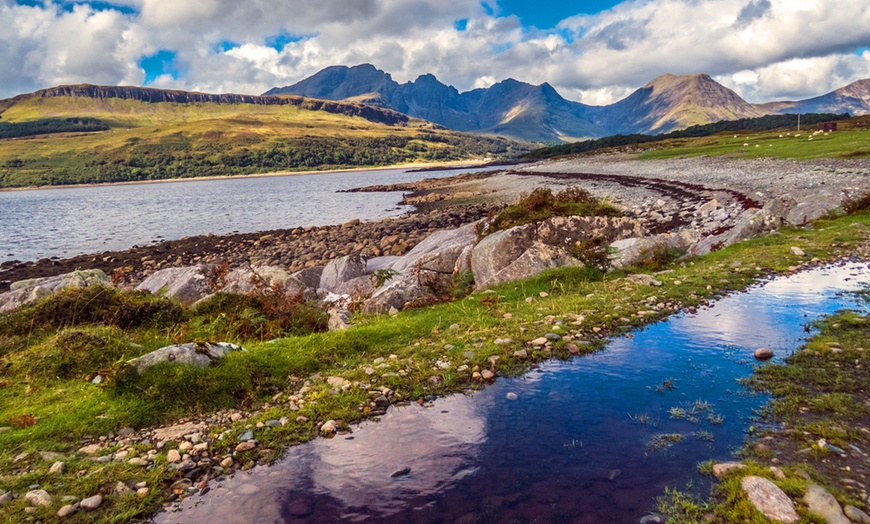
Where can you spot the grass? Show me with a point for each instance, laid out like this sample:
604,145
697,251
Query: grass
64,408
851,141
542,204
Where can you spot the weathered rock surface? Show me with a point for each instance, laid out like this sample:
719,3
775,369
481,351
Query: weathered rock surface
197,355
265,279
185,284
821,203
769,499
340,271
630,251
439,251
823,504
27,291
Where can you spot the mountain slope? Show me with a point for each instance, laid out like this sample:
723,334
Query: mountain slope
538,113
853,99
147,134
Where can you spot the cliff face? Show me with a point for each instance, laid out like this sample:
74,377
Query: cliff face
150,95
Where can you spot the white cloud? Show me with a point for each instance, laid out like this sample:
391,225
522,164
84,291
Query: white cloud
764,49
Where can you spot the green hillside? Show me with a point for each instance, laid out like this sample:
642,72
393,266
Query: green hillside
154,140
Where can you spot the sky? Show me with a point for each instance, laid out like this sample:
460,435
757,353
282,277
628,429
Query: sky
595,52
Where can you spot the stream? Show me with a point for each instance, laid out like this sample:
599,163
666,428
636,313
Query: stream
591,440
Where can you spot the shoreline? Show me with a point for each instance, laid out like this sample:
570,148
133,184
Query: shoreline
418,167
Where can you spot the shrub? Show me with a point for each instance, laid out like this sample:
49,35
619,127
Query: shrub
593,252
76,353
542,204
658,257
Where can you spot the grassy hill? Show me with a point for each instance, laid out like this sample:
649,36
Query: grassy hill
210,135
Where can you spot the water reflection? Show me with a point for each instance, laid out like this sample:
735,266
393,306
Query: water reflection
579,444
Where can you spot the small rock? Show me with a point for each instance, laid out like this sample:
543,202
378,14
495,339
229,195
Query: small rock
572,348
401,473
136,461
725,467
38,497
173,456
5,498
763,354
538,341
435,381
91,503
487,374
796,251
142,492
56,468
511,396
769,499
247,435
227,463
246,446
856,515
503,341
90,450
328,427
652,519
521,353
67,510
820,502
121,488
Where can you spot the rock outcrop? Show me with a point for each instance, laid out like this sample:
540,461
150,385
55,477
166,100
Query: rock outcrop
28,291
196,355
185,284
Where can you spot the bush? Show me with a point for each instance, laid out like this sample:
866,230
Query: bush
542,204
234,317
76,353
92,305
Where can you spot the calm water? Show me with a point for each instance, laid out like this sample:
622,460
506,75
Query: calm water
566,450
70,221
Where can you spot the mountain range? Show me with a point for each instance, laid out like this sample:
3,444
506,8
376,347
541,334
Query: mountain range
540,114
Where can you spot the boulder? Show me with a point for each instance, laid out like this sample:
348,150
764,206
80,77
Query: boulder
780,206
538,258
395,293
340,271
751,223
32,290
439,251
767,498
185,284
197,355
498,250
361,286
381,263
309,276
630,251
821,503
821,203
259,279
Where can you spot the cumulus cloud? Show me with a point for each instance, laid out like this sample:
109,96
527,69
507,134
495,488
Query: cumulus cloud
764,49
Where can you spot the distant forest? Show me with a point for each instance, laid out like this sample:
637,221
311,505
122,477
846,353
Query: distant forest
764,123
46,126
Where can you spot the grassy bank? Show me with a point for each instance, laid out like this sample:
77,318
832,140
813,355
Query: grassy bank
307,380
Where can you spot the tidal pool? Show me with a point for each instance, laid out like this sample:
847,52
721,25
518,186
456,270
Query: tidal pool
591,440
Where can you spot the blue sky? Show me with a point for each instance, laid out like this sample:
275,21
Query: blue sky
596,52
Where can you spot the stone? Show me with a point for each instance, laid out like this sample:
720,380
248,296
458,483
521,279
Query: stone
56,468
340,271
227,463
328,428
91,503
336,382
185,284
821,503
769,499
763,354
338,318
540,341
522,353
32,290
796,251
821,203
178,431
5,498
644,280
142,492
199,355
536,258
404,472
856,515
121,488
436,381
572,348
247,445
439,252
511,396
487,375
635,250
725,467
173,456
247,435
67,510
259,279
38,497
136,461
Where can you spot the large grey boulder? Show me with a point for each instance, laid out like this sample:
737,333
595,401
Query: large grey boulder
631,251
185,284
539,257
498,250
816,206
196,355
821,503
309,276
32,290
340,271
769,499
439,251
395,294
751,223
265,279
